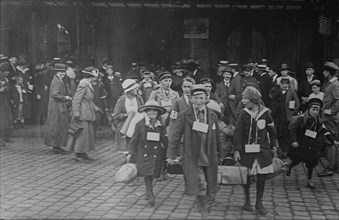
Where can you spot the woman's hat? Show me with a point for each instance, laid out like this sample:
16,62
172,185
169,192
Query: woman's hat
198,89
152,104
284,66
165,75
216,107
314,102
59,67
315,82
109,67
129,85
252,94
91,70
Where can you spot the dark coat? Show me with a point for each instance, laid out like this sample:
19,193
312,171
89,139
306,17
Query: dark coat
5,107
146,92
198,75
114,90
222,92
277,103
304,91
57,116
191,149
148,155
15,99
265,86
242,136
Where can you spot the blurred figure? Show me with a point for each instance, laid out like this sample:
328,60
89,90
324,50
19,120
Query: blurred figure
18,98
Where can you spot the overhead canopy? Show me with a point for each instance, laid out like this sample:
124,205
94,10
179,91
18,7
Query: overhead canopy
175,4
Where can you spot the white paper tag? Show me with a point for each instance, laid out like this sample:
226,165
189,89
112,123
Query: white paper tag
147,85
23,91
311,134
166,103
174,114
252,148
291,104
198,126
261,123
152,136
30,86
213,127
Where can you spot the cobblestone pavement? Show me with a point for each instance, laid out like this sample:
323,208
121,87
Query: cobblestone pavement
37,184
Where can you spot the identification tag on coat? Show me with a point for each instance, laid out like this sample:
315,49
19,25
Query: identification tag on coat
166,103
30,86
153,136
198,126
311,134
147,85
252,148
174,114
291,105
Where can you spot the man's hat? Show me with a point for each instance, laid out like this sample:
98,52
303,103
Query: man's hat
227,69
314,101
91,70
165,75
198,89
233,65
59,67
129,85
134,64
3,57
152,104
248,67
223,62
263,67
146,72
330,66
284,66
309,65
206,80
56,59
4,66
316,82
110,67
69,62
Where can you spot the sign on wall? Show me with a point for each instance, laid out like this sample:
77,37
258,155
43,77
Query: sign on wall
196,28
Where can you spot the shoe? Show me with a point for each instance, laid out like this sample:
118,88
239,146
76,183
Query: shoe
146,195
326,172
151,200
311,185
288,171
79,159
247,207
59,150
260,209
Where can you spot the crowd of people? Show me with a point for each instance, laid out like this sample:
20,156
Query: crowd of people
162,115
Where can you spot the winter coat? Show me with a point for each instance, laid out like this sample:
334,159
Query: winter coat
191,149
5,107
15,99
57,116
260,126
223,92
148,155
331,101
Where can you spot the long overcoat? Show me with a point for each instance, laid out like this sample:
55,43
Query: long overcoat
57,116
5,107
148,155
262,125
192,142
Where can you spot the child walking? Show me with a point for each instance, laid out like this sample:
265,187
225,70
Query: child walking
148,144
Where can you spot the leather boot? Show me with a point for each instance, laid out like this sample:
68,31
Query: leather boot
247,205
260,208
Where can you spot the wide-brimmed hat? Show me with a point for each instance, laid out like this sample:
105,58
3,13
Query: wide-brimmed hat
129,85
59,67
198,89
3,57
314,101
152,104
91,70
315,82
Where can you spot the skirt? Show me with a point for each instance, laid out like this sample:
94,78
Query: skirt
84,142
256,169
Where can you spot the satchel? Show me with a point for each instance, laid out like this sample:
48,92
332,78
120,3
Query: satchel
127,173
232,175
74,128
175,168
279,166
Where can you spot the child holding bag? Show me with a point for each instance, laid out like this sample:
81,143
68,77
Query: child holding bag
148,144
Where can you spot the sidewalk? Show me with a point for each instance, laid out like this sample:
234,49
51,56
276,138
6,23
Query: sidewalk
37,184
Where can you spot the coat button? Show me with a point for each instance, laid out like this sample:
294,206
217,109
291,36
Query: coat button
145,155
155,147
145,146
154,156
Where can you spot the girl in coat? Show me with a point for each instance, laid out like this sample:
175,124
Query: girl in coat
83,112
307,133
252,147
148,144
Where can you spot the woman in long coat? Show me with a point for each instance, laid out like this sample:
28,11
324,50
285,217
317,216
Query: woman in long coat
83,112
57,116
126,107
5,107
149,151
252,147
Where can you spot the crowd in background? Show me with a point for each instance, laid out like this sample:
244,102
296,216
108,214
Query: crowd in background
103,96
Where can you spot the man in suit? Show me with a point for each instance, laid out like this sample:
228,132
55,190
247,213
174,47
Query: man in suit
133,72
195,72
199,126
223,93
265,84
305,86
330,113
12,68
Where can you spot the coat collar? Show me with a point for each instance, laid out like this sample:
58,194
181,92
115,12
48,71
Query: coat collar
262,110
191,117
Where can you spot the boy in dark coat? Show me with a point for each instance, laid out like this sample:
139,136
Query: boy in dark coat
18,97
307,133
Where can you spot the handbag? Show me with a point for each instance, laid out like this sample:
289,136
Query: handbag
127,173
279,166
175,168
232,175
74,128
